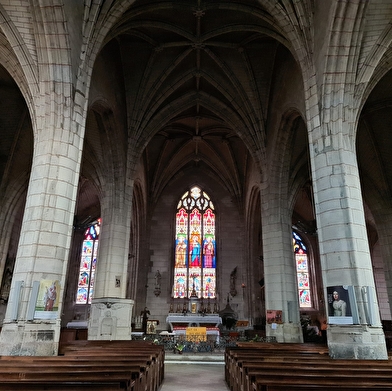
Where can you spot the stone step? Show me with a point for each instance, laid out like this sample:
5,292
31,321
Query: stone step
194,358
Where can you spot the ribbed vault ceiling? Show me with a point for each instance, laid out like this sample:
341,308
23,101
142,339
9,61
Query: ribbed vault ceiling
199,75
196,85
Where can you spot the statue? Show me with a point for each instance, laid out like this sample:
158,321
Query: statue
157,290
50,297
5,291
158,279
144,314
233,277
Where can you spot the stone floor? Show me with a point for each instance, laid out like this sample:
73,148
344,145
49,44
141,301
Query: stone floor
194,372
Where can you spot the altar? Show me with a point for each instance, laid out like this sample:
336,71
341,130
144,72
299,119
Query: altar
193,320
179,324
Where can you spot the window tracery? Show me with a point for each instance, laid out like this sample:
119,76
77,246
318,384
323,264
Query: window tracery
302,268
195,246
88,263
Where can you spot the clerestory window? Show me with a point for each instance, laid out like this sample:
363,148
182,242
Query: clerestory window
195,246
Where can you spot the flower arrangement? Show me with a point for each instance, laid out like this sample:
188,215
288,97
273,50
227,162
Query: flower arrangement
179,347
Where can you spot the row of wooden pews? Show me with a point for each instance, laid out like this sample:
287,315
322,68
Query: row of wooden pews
278,367
87,365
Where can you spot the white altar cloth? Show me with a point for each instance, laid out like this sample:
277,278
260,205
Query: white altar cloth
193,320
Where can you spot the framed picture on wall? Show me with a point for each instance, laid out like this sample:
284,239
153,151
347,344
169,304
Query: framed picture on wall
152,326
342,308
47,301
274,316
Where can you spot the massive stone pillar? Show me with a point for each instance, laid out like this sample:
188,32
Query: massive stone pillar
111,311
279,268
344,250
57,111
334,95
32,321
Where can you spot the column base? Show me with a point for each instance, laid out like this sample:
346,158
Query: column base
110,319
356,342
285,332
29,339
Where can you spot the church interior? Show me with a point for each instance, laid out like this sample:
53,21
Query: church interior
256,131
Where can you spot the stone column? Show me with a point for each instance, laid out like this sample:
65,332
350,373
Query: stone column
279,269
344,250
111,312
32,321
383,217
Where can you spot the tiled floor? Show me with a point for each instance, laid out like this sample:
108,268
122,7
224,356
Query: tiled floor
194,377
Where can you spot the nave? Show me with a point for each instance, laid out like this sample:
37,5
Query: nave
223,152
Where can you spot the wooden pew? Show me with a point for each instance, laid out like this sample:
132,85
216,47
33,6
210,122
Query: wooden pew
265,376
151,371
267,382
238,367
77,344
299,348
58,378
245,367
265,368
126,349
43,365
100,365
259,352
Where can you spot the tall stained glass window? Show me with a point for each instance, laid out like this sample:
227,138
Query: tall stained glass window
302,265
88,263
195,246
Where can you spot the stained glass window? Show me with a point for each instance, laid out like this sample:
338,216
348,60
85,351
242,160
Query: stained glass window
88,263
195,246
302,266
